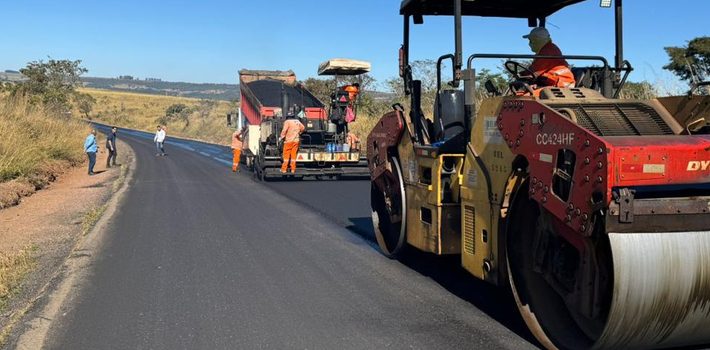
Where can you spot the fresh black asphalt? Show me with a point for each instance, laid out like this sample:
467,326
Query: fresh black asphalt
197,257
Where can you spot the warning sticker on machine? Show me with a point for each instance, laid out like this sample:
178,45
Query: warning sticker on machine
472,178
491,134
412,171
545,157
654,168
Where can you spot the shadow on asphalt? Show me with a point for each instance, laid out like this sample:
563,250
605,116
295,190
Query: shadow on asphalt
363,227
496,302
309,178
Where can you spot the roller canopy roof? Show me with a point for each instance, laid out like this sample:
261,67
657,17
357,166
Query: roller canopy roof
487,8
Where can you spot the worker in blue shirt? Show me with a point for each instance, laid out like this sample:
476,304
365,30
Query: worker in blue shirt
91,147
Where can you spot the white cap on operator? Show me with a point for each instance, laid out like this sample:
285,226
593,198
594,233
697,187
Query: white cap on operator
538,33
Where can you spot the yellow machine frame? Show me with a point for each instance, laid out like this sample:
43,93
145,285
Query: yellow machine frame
477,199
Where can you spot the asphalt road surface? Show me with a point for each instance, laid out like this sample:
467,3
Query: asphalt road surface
197,257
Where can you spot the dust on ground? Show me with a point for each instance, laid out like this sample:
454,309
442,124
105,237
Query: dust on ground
50,222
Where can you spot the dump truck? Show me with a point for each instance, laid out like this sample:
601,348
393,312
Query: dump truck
267,97
593,210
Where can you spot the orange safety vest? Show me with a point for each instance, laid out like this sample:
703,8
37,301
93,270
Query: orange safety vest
552,71
237,140
292,130
352,140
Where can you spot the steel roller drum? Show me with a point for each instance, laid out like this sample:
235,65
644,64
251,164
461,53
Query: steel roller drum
661,294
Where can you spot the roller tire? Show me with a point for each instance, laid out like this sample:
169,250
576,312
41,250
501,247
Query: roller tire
391,237
543,310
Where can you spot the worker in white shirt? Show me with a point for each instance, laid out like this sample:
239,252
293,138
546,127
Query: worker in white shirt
159,139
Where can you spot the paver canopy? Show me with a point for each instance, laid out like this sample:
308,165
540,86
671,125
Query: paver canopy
343,66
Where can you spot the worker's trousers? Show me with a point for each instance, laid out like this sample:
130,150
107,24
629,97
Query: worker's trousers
92,161
290,151
111,158
235,160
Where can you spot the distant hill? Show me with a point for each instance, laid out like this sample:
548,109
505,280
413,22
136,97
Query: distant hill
226,92
153,86
11,75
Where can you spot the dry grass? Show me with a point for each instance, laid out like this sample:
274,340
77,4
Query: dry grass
144,112
362,126
35,139
91,218
13,268
365,122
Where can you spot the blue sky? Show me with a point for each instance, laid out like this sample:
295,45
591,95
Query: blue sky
209,40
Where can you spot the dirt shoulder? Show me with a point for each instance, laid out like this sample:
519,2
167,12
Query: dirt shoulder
39,235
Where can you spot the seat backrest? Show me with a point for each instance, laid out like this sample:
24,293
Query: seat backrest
582,76
340,98
338,106
449,114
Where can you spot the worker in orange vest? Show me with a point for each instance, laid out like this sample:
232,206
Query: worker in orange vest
353,141
291,135
549,71
353,90
236,149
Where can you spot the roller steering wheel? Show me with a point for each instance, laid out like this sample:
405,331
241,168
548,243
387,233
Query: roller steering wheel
522,78
519,71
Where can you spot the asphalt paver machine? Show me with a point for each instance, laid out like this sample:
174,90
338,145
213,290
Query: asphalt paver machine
267,98
594,210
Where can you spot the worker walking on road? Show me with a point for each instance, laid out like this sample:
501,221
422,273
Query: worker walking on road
549,71
291,135
111,147
90,148
159,139
236,149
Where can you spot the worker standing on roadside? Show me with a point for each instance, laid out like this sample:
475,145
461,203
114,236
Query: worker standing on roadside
159,138
291,135
90,148
236,149
111,147
549,71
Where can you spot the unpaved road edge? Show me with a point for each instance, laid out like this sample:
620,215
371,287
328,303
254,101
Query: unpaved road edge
32,327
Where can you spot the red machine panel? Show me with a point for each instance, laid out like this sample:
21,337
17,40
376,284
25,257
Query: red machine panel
250,112
315,113
660,160
572,171
541,134
385,135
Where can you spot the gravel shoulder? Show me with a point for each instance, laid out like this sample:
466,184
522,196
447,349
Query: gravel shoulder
50,225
